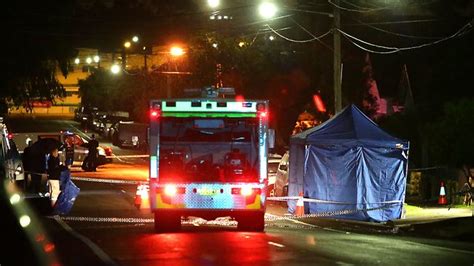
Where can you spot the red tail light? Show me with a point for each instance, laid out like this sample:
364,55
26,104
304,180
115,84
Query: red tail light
172,190
245,191
263,114
154,113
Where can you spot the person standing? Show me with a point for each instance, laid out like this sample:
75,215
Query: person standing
468,191
93,155
69,149
54,171
26,161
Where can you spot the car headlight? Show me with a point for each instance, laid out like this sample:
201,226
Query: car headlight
102,152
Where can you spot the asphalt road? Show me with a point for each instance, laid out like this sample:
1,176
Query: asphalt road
285,242
105,228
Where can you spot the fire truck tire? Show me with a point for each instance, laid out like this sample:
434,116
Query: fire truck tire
254,222
167,222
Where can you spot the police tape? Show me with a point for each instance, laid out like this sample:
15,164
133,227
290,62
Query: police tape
327,201
225,222
109,181
103,219
329,213
127,156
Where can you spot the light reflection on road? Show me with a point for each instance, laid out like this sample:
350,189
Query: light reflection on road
203,247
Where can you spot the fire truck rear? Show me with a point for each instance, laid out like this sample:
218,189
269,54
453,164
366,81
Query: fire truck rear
208,159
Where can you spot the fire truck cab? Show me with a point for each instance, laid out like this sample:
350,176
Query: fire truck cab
208,159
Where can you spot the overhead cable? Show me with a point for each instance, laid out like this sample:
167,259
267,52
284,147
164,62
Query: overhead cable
358,10
298,41
395,33
356,41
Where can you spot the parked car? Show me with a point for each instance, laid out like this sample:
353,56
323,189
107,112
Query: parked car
130,134
273,162
281,182
80,145
83,113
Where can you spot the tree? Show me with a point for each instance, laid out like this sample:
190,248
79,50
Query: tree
451,138
33,54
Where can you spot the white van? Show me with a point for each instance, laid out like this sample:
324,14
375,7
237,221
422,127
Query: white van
281,182
273,163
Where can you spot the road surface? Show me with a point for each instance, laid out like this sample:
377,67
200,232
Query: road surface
105,228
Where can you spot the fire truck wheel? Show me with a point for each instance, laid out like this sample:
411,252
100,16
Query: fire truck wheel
254,222
167,222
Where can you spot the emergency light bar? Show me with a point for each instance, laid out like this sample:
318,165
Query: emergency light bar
210,106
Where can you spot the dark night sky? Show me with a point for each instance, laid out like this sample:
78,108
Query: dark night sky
105,24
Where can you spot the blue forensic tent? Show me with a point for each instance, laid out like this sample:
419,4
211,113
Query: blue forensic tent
351,166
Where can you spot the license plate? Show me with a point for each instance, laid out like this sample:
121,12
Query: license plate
134,139
207,191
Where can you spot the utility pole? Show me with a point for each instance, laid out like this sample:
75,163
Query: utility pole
337,59
124,58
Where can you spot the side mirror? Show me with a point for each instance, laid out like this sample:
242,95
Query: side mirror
271,138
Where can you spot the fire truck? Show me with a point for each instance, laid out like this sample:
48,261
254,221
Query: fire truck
208,159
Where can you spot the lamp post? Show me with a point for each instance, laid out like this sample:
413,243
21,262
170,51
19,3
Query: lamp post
337,72
268,10
174,53
126,45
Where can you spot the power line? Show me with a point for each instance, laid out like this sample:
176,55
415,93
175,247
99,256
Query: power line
361,9
394,22
395,33
330,15
357,10
354,40
315,37
297,41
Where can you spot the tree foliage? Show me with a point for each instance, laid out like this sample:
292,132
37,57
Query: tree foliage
33,55
451,138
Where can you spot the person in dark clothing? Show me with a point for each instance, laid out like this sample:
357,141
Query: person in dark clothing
93,156
54,167
34,163
54,172
25,159
69,149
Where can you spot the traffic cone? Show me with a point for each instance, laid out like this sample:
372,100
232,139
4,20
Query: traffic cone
142,200
442,195
300,206
138,197
145,197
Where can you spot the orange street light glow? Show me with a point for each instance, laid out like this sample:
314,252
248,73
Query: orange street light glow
176,51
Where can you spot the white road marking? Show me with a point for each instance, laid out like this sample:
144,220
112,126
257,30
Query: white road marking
276,244
99,252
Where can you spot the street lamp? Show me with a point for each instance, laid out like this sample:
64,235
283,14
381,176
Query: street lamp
77,61
213,3
135,39
127,44
96,58
176,51
267,10
115,69
89,60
